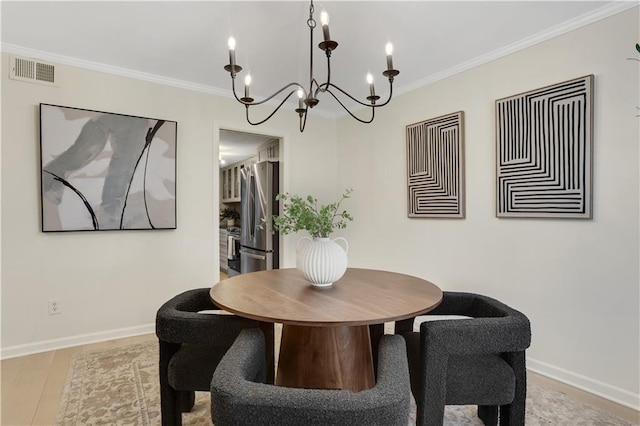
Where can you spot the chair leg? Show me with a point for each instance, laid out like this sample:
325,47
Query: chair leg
488,414
170,406
514,414
376,331
429,415
429,409
268,330
186,400
420,418
431,387
169,400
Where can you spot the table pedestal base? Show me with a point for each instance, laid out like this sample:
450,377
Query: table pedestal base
325,358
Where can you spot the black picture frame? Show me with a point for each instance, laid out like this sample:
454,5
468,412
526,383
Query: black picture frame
103,171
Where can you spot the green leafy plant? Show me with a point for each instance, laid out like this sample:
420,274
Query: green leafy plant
304,214
228,213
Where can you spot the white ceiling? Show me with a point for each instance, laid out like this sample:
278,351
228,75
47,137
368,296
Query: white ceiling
238,146
185,43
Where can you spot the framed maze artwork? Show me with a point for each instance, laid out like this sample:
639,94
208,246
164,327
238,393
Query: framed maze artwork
544,144
435,167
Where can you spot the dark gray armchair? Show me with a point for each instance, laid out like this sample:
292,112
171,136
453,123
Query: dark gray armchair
476,361
239,396
191,346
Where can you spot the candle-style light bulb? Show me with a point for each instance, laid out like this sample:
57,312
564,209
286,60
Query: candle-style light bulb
389,50
247,83
370,81
300,96
324,19
232,54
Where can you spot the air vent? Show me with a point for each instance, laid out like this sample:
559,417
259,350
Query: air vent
28,69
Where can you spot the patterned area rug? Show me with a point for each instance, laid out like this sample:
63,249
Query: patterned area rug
120,387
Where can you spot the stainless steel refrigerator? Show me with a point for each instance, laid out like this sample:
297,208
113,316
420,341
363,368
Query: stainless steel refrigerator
258,245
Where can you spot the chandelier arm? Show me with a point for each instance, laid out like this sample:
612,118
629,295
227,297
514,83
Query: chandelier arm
328,83
388,99
274,111
377,105
233,87
373,110
324,86
356,100
314,81
303,122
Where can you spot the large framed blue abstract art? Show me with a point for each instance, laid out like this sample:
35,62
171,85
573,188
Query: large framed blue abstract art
103,171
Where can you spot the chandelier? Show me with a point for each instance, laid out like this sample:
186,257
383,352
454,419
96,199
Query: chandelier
308,97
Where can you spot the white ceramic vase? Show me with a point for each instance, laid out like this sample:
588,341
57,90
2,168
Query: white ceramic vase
322,260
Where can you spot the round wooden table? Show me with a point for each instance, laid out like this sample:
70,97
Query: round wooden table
325,335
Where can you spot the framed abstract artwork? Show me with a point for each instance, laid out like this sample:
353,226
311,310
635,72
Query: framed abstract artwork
103,171
435,167
544,150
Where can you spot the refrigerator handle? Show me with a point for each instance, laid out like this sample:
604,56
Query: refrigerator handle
254,256
252,211
230,247
244,205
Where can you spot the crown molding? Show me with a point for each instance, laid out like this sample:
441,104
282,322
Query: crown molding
578,22
109,69
573,24
138,75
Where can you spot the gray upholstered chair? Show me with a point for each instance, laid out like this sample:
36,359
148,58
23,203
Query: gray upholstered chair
475,361
239,396
191,346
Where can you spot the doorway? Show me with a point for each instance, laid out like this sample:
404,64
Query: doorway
238,152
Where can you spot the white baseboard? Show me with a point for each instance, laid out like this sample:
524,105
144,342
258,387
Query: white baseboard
83,339
604,390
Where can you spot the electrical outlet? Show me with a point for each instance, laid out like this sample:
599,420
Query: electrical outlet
54,307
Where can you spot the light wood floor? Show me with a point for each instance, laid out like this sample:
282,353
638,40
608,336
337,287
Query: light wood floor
32,385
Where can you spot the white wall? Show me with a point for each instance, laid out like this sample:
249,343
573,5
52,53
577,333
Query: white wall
577,280
111,283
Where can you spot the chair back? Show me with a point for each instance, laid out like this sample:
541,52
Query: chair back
239,396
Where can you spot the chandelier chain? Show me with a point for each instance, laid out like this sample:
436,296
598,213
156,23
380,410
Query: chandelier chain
311,22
